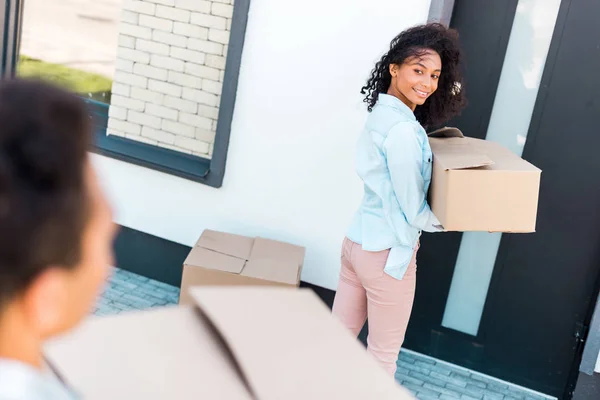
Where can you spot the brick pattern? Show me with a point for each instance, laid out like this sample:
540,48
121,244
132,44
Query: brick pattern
126,291
427,378
169,72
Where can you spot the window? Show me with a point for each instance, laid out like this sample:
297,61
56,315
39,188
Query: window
160,76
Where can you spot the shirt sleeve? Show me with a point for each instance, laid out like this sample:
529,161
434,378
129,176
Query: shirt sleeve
404,156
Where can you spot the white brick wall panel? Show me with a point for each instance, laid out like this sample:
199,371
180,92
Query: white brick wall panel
121,89
205,135
140,32
168,63
169,72
202,71
147,95
126,41
130,17
158,135
142,139
127,102
130,79
182,105
177,128
163,2
202,6
152,47
139,6
169,38
117,112
184,80
209,21
200,97
133,55
214,61
162,112
124,65
195,120
223,10
123,126
165,88
160,24
208,112
192,56
205,46
213,87
190,30
173,14
150,72
192,144
218,35
144,119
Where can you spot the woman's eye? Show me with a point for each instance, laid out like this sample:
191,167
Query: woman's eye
418,71
435,77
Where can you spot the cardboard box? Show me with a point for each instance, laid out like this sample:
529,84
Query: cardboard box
234,343
478,185
225,259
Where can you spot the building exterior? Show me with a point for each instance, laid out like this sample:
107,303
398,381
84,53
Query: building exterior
242,116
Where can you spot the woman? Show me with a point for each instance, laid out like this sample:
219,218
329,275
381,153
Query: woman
416,84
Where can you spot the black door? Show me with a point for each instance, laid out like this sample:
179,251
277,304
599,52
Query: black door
544,285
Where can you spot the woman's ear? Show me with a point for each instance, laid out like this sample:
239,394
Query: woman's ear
393,69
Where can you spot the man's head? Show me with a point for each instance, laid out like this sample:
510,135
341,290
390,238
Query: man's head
56,228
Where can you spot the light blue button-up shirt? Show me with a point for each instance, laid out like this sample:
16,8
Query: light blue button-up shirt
394,161
20,381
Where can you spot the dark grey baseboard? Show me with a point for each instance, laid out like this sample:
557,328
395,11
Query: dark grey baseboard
162,259
150,256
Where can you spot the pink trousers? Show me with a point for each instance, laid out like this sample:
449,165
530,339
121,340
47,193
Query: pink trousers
366,291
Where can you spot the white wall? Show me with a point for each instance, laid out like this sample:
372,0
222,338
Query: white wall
290,170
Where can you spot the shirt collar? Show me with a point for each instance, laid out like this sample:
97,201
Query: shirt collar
28,382
397,104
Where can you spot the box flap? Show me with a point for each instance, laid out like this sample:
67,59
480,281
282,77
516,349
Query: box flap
289,346
273,269
226,243
170,353
201,257
273,249
446,132
458,153
504,159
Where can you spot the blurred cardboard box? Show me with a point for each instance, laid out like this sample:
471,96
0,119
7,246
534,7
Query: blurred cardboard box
233,343
225,259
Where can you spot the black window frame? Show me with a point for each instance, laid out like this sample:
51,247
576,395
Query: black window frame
207,171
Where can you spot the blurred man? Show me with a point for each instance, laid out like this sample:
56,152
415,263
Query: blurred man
56,231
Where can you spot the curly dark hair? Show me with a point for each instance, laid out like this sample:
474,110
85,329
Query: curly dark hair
449,99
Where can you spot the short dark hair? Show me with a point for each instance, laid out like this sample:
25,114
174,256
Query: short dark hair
45,133
449,99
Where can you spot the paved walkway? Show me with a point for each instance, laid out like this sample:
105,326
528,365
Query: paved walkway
428,378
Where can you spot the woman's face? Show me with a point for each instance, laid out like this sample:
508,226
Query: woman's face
416,79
